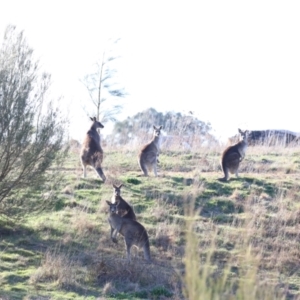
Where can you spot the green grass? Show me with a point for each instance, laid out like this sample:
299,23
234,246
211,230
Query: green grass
242,243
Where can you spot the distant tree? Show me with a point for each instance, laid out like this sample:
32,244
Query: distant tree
31,130
185,127
102,89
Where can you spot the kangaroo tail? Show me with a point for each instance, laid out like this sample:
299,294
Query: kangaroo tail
100,173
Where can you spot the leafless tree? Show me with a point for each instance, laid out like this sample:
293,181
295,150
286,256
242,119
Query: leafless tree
102,90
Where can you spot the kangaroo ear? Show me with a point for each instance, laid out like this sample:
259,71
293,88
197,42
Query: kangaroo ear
154,127
120,185
114,186
160,127
108,202
91,119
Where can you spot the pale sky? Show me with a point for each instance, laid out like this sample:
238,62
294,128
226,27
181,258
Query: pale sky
236,64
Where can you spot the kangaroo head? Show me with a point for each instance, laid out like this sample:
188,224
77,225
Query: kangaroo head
113,207
244,134
157,130
117,189
96,124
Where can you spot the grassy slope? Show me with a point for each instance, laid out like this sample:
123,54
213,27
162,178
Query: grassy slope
64,251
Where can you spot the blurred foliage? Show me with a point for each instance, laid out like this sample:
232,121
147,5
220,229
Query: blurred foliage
175,124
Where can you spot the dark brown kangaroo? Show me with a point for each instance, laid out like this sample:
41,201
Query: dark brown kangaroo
133,232
233,155
91,152
124,209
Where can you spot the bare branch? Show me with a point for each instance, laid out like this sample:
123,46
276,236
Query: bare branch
100,88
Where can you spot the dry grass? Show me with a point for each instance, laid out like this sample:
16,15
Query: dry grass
242,259
264,248
209,240
57,268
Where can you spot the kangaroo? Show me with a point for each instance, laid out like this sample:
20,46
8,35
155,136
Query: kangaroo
134,233
233,155
124,209
148,156
91,152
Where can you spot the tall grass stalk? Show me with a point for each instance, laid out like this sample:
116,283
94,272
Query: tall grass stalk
237,278
199,279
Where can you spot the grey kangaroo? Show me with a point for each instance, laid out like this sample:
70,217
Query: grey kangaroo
133,232
233,155
148,156
91,152
124,209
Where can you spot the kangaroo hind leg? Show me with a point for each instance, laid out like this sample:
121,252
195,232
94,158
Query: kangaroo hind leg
128,247
143,168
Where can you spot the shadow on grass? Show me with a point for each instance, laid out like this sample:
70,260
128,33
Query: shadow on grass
21,252
270,188
89,183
